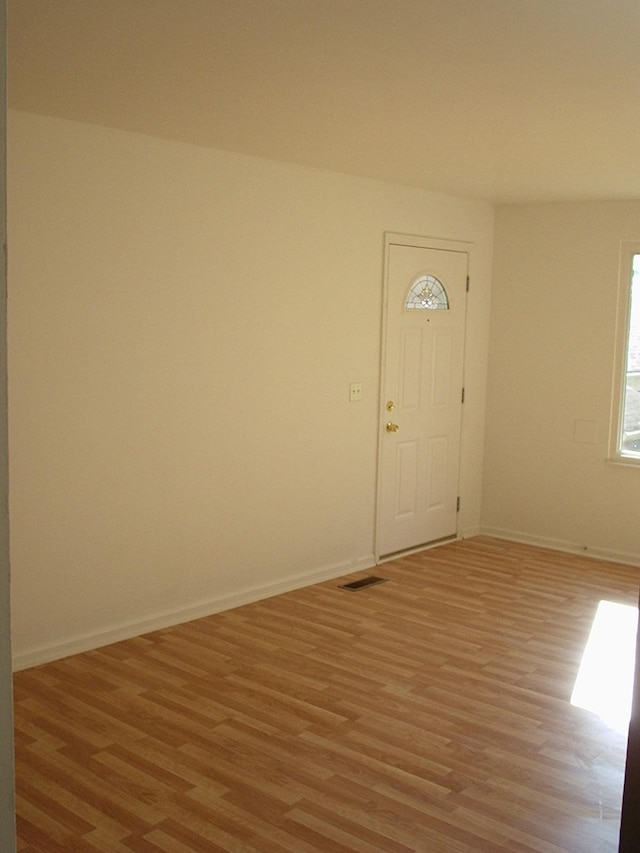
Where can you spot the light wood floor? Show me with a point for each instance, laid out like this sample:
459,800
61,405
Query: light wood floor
429,713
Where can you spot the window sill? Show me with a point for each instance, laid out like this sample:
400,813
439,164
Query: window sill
625,461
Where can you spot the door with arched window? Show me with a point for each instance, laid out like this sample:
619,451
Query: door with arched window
422,392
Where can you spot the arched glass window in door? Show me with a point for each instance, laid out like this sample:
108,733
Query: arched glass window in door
427,293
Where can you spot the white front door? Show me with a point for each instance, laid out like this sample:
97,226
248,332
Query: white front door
422,391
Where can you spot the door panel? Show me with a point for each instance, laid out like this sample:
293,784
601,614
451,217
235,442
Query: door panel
411,356
421,404
406,481
437,468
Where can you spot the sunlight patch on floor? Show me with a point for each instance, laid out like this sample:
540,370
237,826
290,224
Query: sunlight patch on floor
605,679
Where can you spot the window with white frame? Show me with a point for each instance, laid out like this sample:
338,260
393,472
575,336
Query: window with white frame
626,409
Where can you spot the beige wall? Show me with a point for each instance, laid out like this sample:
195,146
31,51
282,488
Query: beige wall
551,364
183,328
7,795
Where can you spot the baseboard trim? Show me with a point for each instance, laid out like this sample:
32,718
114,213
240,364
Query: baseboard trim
625,557
87,642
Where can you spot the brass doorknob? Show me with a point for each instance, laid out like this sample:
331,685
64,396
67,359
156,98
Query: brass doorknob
392,427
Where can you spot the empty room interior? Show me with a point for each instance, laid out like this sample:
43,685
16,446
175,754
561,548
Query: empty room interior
303,293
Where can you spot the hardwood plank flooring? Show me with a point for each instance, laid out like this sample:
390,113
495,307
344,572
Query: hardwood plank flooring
428,713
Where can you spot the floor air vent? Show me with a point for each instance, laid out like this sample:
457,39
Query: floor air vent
362,583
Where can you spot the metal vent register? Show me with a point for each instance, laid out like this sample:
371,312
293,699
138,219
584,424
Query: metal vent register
362,583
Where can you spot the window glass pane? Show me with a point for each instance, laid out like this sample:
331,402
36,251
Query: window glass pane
630,443
427,293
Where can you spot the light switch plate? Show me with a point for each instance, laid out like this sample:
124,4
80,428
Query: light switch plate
355,392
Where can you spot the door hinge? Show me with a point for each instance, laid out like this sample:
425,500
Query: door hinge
467,284
462,398
458,504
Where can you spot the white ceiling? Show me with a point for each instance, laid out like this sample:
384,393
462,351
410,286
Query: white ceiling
507,100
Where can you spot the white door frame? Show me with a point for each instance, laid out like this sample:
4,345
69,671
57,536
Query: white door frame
395,238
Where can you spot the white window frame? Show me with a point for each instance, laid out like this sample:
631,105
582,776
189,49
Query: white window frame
627,251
